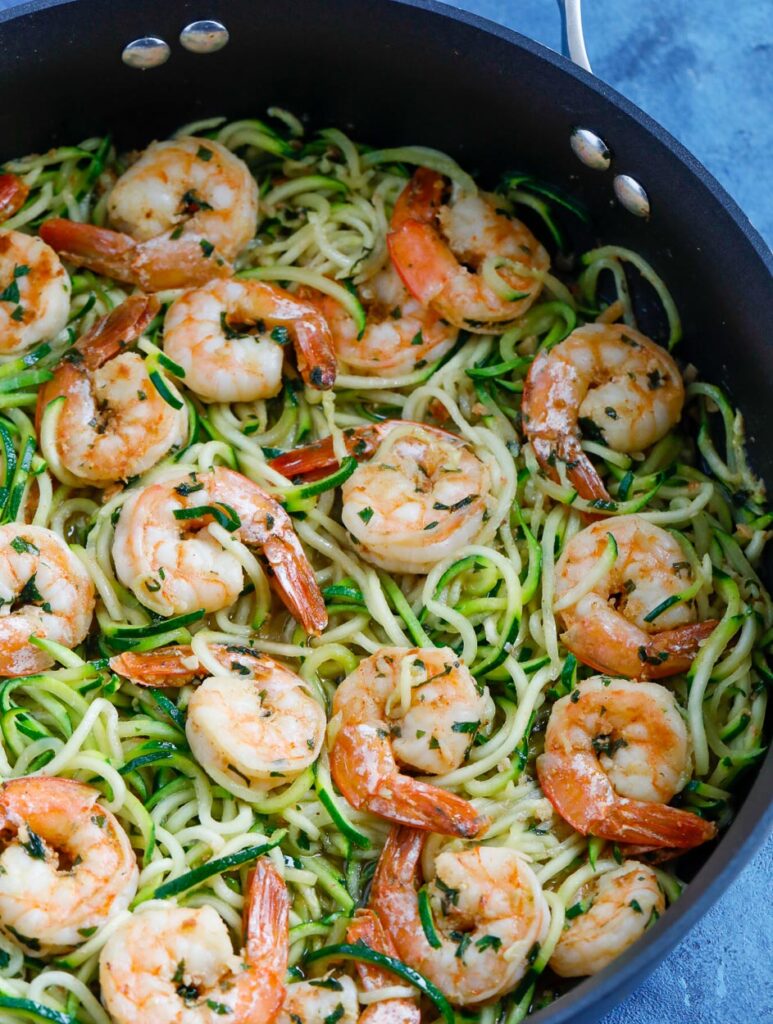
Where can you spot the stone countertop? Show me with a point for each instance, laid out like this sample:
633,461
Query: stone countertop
705,72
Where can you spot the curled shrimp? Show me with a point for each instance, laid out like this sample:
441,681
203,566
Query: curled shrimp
605,617
34,292
473,264
366,927
206,331
13,195
606,378
414,708
113,424
66,866
420,495
176,965
616,752
44,592
400,334
487,907
256,717
617,907
321,1001
181,213
174,565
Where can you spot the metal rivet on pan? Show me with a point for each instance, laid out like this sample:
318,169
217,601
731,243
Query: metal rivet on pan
204,36
590,149
630,194
148,52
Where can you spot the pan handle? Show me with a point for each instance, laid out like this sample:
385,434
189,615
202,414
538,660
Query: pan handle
572,39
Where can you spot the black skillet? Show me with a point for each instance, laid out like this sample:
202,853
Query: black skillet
394,73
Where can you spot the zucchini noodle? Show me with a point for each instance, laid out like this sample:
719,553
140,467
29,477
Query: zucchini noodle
325,208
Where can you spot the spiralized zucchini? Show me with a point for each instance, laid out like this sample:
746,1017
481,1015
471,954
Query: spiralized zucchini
325,209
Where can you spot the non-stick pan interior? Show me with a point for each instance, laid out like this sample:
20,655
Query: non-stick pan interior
392,73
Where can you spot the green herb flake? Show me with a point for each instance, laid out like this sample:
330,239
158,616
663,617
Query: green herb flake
365,514
24,547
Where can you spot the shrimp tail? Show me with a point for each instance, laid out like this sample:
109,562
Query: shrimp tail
85,245
109,336
13,195
654,825
119,328
319,458
295,581
266,920
366,927
594,808
164,667
364,769
424,263
155,265
397,867
314,350
674,650
580,470
421,199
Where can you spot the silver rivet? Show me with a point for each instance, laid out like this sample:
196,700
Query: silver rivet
204,36
631,195
148,52
590,149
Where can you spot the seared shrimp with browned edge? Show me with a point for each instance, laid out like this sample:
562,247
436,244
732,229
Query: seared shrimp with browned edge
464,257
230,338
616,752
66,866
253,717
487,910
45,592
612,910
166,556
181,214
34,292
176,965
419,496
618,594
418,709
113,423
400,334
606,379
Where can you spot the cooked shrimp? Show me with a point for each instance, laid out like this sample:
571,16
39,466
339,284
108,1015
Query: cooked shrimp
400,334
173,565
615,753
366,927
45,592
606,624
472,263
321,1001
13,194
417,708
627,388
66,866
176,965
488,912
34,292
257,717
421,496
114,424
207,332
621,902
182,212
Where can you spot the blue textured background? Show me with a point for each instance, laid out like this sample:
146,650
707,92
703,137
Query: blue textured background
705,71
